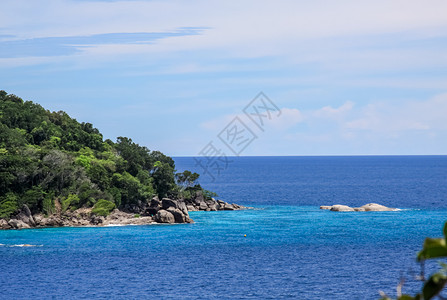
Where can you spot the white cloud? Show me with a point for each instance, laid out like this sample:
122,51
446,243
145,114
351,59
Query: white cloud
410,116
334,113
289,117
252,28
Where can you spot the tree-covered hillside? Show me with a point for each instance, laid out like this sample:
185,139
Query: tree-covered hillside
50,161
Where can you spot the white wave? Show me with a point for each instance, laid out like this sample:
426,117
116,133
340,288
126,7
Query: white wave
25,245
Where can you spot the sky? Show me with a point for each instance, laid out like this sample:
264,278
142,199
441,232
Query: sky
240,77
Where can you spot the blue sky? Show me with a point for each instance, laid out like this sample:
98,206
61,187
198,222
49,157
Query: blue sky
350,77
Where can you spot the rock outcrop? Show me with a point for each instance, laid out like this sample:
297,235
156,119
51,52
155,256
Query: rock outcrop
366,207
166,210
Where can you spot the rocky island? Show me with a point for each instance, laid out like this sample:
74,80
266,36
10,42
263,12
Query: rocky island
366,207
56,171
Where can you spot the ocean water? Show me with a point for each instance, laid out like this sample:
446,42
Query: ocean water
284,248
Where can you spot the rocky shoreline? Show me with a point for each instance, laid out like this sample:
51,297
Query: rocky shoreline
165,211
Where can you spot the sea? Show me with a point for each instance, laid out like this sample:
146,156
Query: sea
285,247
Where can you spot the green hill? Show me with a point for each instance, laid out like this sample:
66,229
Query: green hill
49,159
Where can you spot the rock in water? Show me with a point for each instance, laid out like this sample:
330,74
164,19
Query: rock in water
167,203
366,207
4,224
339,207
325,207
164,216
18,224
376,207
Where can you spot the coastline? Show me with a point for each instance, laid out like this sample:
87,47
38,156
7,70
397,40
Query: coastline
155,211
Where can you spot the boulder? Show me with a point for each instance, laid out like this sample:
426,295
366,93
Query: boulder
18,224
228,206
366,207
152,211
339,207
25,216
51,221
179,216
167,203
164,216
97,220
38,218
191,208
326,207
4,224
203,206
198,199
155,202
182,207
376,207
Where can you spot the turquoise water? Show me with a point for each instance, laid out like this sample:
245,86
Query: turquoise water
289,251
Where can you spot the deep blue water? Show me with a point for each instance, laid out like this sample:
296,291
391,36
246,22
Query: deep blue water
292,249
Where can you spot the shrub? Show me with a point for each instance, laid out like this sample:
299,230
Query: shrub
70,201
103,208
8,205
208,194
48,204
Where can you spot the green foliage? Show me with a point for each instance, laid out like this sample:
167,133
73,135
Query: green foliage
208,194
70,201
432,248
186,179
103,208
8,205
46,156
48,204
164,181
33,198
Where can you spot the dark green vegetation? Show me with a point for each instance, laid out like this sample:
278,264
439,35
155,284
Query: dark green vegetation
51,162
434,248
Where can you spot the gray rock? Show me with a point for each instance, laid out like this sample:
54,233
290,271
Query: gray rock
167,203
4,224
164,216
191,208
359,209
25,216
199,197
155,202
213,207
326,207
18,224
203,206
339,207
376,207
366,207
52,221
228,206
182,207
179,216
38,219
97,220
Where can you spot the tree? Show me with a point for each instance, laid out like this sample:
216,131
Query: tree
186,179
164,181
